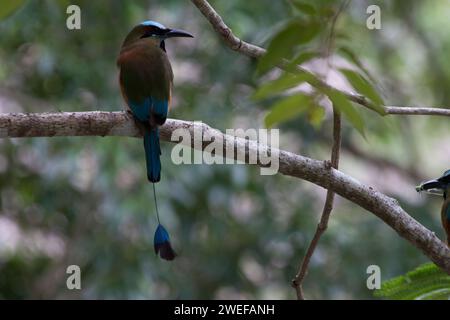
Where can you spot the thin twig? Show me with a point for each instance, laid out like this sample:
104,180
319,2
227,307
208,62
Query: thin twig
254,51
418,111
334,163
326,212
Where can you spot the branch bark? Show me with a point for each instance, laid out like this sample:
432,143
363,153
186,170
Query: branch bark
417,111
315,171
254,51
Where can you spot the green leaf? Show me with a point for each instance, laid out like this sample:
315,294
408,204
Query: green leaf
347,53
425,282
295,33
302,57
304,7
286,81
287,109
316,115
365,88
327,12
341,102
8,7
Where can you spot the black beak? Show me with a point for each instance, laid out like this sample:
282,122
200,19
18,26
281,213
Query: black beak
172,33
432,186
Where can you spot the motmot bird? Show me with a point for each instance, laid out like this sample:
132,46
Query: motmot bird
441,186
146,79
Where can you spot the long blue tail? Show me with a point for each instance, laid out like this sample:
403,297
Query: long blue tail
161,244
152,154
161,241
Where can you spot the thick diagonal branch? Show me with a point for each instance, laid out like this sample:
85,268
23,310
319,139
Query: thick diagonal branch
315,171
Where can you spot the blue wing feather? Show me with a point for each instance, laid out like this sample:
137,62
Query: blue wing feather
149,107
141,111
151,111
160,108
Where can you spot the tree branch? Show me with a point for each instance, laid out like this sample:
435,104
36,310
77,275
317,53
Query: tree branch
297,283
322,226
253,51
419,111
315,171
236,44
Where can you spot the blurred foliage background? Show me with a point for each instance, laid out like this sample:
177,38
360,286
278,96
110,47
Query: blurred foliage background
86,201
